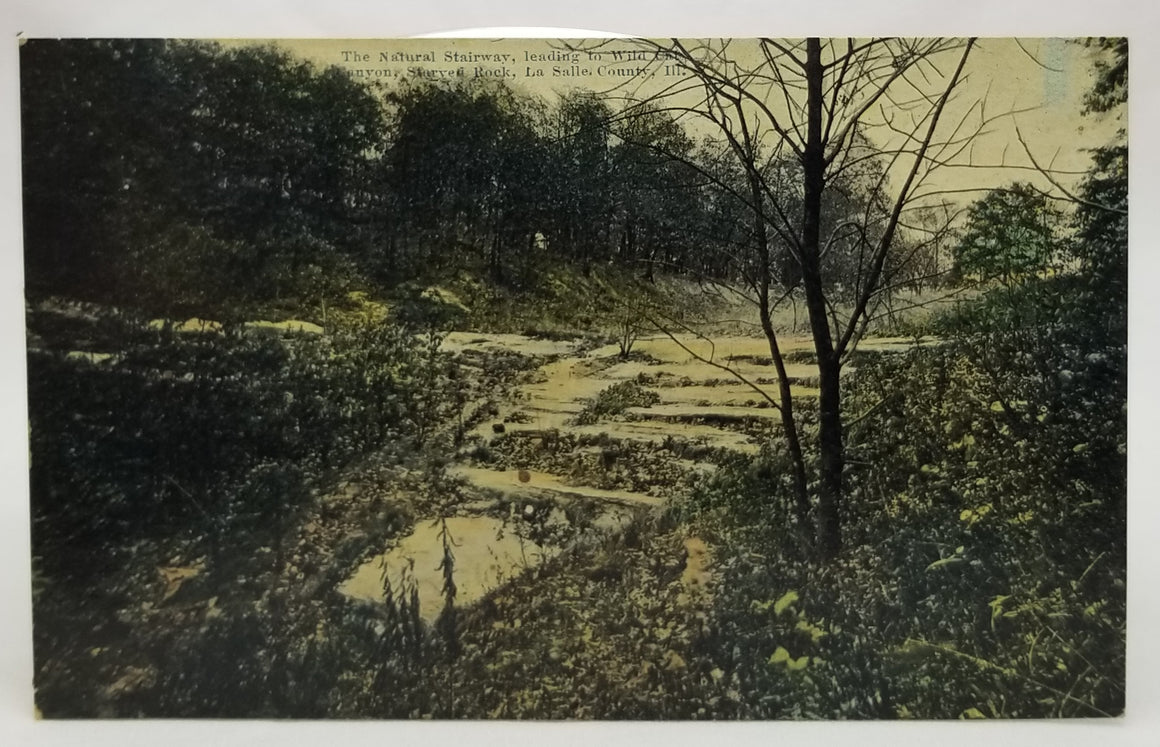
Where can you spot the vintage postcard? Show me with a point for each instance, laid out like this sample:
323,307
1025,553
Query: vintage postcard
662,379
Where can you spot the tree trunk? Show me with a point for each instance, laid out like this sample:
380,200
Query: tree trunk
800,484
829,537
493,261
761,239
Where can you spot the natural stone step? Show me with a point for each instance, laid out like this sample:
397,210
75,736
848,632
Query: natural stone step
530,483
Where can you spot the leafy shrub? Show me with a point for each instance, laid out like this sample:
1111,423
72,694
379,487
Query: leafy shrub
217,430
983,573
615,400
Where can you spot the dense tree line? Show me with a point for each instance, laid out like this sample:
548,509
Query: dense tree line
176,175
180,175
171,173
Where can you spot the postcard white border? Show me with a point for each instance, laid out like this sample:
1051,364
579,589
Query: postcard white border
351,18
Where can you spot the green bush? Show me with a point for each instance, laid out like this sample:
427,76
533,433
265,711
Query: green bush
214,430
615,400
985,526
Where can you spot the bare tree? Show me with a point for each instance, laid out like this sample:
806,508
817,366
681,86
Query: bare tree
822,112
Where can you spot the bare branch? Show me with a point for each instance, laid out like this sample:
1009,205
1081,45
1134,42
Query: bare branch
888,235
1047,174
709,361
1035,59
